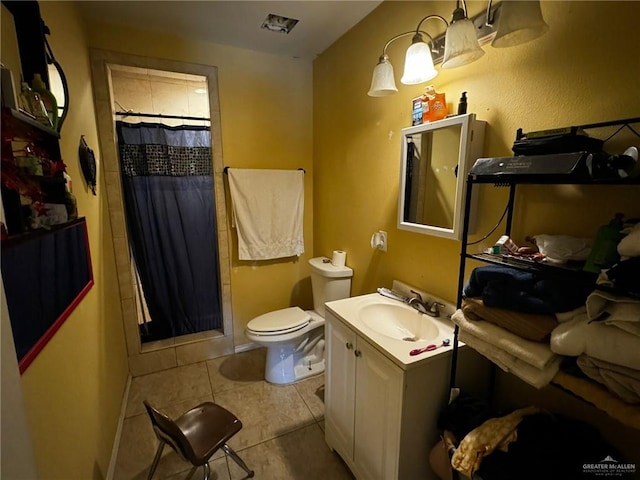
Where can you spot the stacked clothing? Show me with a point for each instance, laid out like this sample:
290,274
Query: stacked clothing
604,335
525,444
508,315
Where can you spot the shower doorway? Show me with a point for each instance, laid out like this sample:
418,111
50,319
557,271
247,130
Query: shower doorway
163,165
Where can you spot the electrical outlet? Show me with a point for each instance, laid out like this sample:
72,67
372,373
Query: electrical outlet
383,241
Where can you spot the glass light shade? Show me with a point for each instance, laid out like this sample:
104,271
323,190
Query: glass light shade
461,44
418,64
382,81
519,22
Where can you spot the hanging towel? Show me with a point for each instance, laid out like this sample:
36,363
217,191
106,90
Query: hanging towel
268,210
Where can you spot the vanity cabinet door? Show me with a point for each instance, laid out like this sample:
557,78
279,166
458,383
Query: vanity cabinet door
378,411
340,385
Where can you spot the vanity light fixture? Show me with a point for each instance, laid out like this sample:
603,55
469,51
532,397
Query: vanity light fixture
507,23
519,22
461,44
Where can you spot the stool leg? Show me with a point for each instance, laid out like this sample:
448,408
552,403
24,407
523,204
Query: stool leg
207,471
156,459
234,456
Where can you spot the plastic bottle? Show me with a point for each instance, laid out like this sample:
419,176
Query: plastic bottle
48,98
437,104
462,105
69,199
604,252
35,105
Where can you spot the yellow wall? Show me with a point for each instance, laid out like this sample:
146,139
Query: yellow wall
266,115
73,390
570,76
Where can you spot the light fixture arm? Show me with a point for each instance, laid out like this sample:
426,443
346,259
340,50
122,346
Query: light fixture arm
428,17
490,18
402,35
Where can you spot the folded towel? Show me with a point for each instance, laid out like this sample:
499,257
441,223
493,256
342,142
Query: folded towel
536,354
563,317
598,396
622,312
621,381
530,326
629,246
268,208
604,342
535,377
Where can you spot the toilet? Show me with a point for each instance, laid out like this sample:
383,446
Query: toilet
294,338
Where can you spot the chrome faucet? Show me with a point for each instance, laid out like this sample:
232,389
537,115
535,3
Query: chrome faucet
417,303
434,309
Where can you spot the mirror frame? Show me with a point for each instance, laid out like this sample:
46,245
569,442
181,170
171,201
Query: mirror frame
35,51
470,149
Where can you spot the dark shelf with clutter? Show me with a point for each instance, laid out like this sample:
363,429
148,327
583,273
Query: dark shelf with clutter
561,311
35,192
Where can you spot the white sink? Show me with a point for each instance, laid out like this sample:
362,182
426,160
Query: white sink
387,324
398,321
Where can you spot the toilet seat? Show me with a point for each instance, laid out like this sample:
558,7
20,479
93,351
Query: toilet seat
287,320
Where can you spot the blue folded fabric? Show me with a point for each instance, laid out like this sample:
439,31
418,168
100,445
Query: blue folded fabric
526,292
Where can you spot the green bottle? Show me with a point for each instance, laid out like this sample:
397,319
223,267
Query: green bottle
49,100
604,252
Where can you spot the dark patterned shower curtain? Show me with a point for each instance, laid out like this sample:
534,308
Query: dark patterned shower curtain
167,183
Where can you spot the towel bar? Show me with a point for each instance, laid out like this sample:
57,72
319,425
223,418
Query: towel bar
226,170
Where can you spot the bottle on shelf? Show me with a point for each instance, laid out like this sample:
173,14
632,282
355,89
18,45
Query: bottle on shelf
437,105
48,99
70,199
34,104
462,105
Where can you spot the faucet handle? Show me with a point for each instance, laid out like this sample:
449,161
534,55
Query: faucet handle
418,296
435,308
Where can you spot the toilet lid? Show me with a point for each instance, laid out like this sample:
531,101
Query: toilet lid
282,321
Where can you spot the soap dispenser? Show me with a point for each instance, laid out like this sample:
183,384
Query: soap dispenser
462,106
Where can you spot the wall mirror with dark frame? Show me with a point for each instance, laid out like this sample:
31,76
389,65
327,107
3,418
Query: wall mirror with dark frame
34,52
435,159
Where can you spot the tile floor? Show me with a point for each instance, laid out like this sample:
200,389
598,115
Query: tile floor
283,425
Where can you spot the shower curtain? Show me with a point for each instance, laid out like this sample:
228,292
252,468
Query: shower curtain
167,186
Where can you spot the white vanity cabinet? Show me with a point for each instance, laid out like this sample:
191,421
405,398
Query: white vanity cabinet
380,417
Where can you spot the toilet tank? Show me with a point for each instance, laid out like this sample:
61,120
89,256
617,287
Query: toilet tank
328,282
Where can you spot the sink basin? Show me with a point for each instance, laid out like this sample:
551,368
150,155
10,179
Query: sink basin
398,322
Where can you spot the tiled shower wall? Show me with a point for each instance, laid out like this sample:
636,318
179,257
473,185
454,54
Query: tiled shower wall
166,93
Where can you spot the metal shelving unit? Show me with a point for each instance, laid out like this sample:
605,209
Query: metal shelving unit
511,181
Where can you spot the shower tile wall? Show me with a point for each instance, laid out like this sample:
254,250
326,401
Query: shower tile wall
168,93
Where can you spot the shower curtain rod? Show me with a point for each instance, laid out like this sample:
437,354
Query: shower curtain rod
160,115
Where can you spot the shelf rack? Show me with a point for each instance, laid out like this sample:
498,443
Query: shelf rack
577,387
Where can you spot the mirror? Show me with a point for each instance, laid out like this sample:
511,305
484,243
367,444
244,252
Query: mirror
436,157
34,54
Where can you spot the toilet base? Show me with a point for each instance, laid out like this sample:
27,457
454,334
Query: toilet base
290,363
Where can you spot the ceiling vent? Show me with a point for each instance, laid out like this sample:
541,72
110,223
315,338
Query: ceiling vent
277,23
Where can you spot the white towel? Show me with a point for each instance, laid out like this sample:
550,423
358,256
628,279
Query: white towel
535,377
622,312
604,342
536,354
268,207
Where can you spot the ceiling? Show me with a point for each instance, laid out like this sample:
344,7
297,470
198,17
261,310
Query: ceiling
237,23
